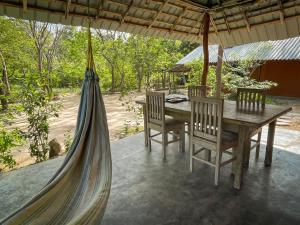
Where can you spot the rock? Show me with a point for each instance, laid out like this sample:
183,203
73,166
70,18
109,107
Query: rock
55,148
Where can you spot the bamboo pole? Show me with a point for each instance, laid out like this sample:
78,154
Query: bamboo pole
206,21
219,71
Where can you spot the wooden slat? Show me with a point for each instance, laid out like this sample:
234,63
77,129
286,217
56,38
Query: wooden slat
251,99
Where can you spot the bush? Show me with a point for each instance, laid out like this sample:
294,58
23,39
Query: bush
194,77
38,110
238,75
68,140
8,140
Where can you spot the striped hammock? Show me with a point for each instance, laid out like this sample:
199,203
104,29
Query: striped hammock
78,192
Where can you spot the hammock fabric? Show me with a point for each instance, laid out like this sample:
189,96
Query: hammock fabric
78,192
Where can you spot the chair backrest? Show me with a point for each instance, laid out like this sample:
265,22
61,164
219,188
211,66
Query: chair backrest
194,91
251,99
155,107
206,118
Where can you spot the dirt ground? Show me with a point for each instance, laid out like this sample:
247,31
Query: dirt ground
117,115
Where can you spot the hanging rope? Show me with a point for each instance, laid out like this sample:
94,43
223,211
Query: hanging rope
90,58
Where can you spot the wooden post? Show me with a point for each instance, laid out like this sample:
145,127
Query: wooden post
206,20
219,72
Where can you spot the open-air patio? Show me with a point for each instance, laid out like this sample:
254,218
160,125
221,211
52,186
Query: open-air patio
146,190
225,114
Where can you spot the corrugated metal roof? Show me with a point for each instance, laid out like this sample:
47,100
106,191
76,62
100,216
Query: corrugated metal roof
288,49
234,22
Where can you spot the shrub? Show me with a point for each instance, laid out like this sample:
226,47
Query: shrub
8,140
38,109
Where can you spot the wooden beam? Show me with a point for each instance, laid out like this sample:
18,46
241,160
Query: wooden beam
274,21
266,11
246,21
206,21
126,12
214,25
68,3
219,72
201,25
178,19
281,11
226,22
157,13
100,8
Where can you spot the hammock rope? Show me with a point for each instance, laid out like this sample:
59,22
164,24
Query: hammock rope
79,190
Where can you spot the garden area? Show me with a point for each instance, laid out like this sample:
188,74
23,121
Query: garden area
42,69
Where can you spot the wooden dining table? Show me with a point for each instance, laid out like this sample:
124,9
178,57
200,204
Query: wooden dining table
244,122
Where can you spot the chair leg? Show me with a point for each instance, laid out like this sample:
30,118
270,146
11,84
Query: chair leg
166,139
217,168
233,168
258,145
164,145
182,139
149,140
189,128
192,149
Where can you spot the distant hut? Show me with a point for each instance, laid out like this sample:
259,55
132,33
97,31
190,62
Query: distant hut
281,62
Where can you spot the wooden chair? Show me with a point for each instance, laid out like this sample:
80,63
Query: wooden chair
251,100
194,91
156,120
207,133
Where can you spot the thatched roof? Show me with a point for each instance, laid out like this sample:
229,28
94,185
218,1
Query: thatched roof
233,22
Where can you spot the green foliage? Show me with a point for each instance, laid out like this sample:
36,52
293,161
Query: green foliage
38,110
194,76
8,140
238,74
68,140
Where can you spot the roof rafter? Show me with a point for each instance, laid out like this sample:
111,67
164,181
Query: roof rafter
158,13
68,3
100,7
226,22
246,20
126,12
281,11
178,19
201,25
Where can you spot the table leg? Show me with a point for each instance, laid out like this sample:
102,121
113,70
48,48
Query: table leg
247,148
238,164
270,142
145,126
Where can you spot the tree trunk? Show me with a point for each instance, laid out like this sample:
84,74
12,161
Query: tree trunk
139,76
206,21
122,81
40,60
112,89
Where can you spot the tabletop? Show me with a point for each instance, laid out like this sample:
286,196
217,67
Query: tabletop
231,114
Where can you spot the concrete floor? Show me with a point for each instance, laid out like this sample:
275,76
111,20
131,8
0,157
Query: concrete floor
146,190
